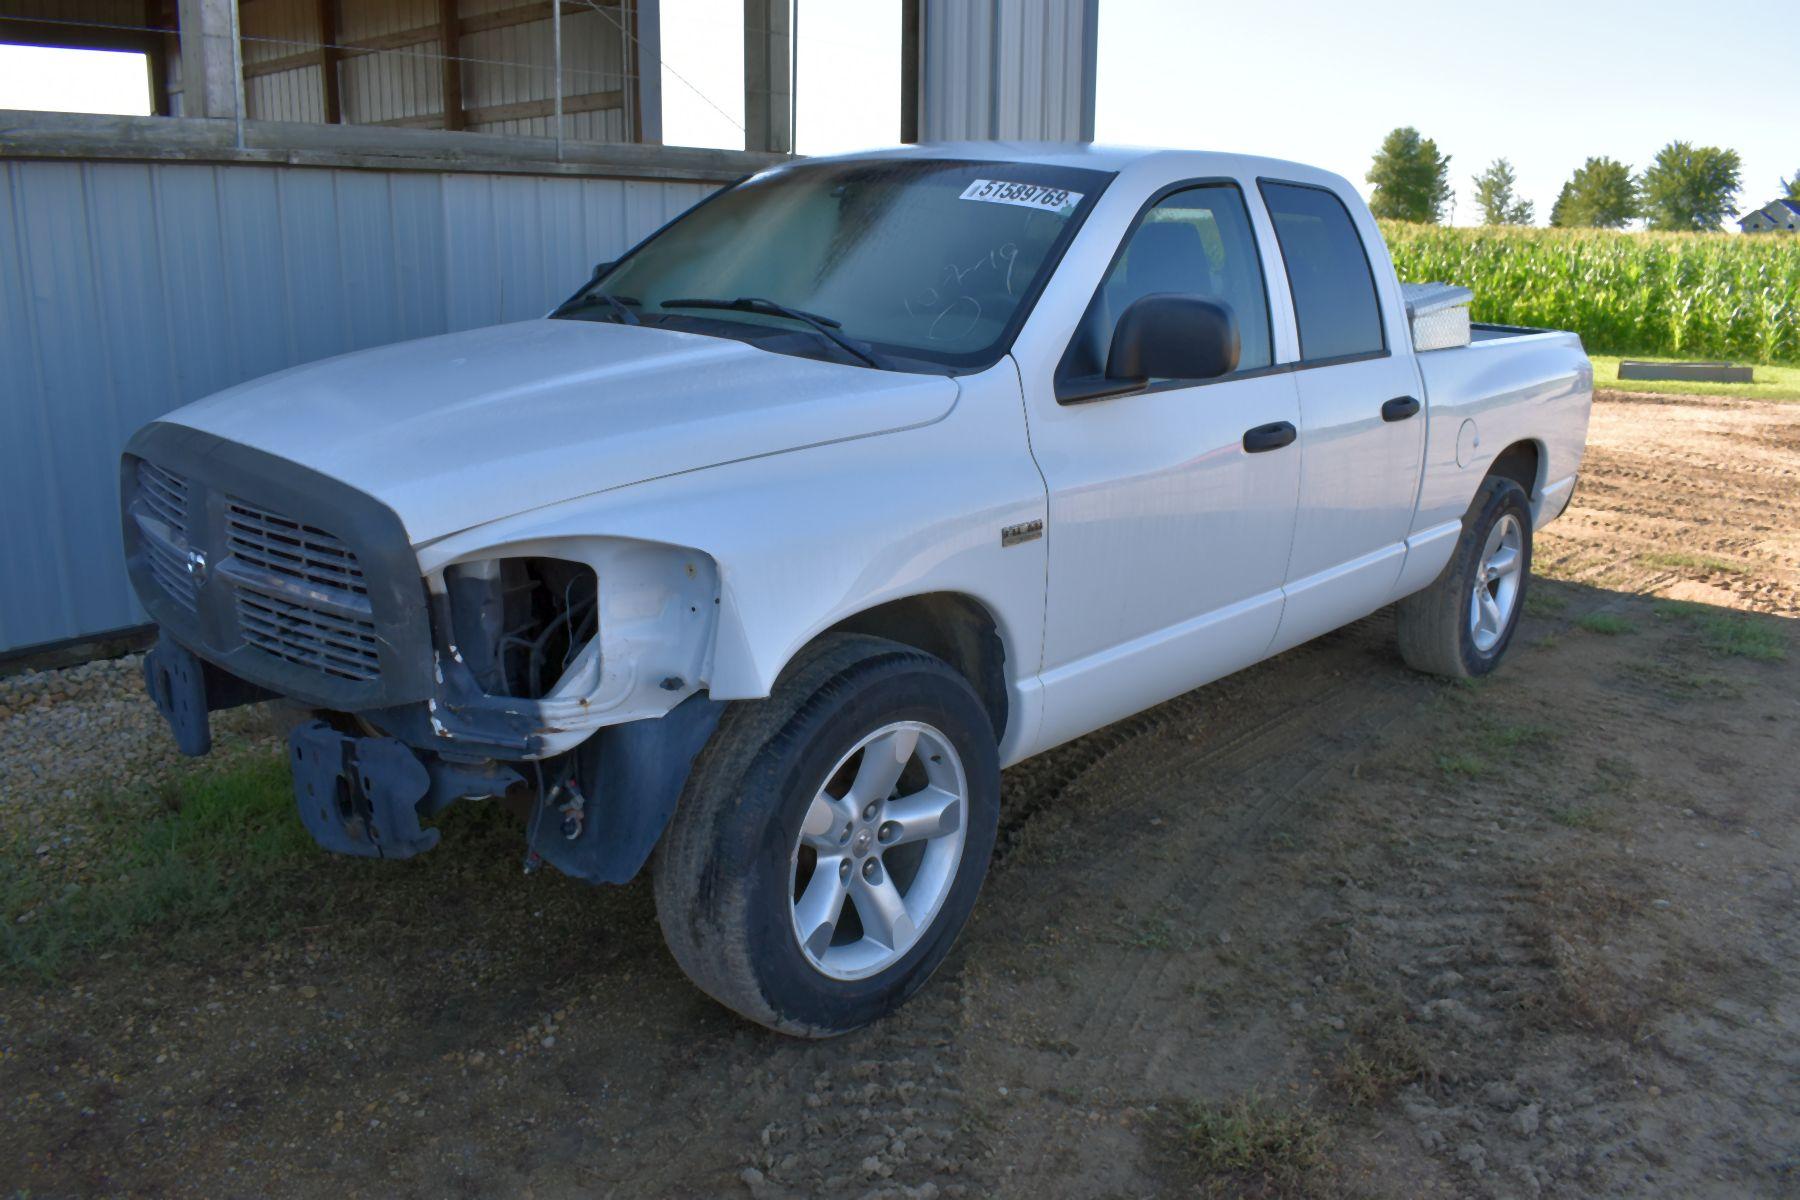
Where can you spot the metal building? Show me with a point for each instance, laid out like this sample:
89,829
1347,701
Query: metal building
327,175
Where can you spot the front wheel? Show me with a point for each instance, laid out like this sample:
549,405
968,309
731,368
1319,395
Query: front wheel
831,840
1462,624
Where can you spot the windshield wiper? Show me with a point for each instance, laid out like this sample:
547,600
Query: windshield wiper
825,327
621,314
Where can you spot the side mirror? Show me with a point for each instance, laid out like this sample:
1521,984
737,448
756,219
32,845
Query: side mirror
1174,335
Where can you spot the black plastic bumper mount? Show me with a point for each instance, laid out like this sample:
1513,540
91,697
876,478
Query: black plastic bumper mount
366,795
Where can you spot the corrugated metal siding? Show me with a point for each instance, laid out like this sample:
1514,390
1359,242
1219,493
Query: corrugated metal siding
128,289
1016,70
510,65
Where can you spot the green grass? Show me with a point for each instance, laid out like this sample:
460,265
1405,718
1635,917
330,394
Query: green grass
1578,816
1462,765
1540,738
1682,561
1728,635
209,851
1608,624
1675,295
1541,603
1251,1141
1770,383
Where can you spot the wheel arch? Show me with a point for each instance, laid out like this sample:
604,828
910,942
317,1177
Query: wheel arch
1523,463
953,626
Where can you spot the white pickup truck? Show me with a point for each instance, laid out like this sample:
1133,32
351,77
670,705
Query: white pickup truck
759,558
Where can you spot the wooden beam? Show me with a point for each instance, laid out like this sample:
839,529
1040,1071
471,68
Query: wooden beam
449,46
524,14
523,110
85,136
328,61
287,62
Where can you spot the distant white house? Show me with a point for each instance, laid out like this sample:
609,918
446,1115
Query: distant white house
1777,216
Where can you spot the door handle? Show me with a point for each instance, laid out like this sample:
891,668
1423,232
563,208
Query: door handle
1269,437
1399,408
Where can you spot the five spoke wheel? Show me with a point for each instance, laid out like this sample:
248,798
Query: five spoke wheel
1496,589
878,850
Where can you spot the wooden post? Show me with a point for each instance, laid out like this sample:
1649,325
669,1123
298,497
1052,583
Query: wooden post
768,76
909,71
449,39
328,61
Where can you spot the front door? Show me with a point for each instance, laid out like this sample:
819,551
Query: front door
1168,538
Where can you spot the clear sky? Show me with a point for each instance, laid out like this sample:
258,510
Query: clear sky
1543,84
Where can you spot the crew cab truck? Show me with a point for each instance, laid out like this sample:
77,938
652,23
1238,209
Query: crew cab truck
754,562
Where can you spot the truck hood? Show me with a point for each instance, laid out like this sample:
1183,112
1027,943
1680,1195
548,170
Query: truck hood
455,431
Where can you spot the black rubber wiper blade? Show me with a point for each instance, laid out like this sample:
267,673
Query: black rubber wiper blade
618,304
825,327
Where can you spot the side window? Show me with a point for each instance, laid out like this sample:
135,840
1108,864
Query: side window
1197,240
1328,271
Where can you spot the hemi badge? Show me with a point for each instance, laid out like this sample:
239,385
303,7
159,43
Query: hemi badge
1026,531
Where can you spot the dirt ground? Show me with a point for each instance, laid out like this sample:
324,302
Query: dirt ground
1326,928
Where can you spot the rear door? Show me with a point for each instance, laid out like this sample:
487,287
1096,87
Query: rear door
1362,424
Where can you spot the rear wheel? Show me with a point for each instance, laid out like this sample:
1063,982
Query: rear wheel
831,840
1461,625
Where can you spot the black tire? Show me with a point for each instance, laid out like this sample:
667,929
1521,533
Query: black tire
1434,624
724,875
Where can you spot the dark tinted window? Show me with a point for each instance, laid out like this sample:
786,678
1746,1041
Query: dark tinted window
1328,271
1199,241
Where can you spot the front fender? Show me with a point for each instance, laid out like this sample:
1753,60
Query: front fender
801,540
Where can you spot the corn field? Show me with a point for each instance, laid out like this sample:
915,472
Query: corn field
1686,295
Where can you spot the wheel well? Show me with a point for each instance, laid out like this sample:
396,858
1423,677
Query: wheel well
952,627
1519,463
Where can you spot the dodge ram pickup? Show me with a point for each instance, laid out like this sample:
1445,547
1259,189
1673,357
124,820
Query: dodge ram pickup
757,559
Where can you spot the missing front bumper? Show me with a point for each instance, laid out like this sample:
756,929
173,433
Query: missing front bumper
366,796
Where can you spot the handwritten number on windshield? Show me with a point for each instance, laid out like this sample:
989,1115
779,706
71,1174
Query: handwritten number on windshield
953,295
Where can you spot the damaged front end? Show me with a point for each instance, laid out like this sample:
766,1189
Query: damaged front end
564,678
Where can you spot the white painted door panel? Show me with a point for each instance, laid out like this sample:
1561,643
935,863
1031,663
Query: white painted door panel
1359,483
1168,544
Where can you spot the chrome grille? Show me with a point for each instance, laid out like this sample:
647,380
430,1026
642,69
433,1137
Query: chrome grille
163,498
276,543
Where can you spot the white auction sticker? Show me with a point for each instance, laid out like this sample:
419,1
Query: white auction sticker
1025,195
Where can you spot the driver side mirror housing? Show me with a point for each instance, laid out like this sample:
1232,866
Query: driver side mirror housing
1174,335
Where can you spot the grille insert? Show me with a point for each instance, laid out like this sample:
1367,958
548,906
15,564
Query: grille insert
163,498
300,593
266,539
341,646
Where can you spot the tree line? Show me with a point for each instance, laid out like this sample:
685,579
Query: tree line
1686,187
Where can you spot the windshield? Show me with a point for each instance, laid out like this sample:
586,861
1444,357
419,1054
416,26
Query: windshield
925,263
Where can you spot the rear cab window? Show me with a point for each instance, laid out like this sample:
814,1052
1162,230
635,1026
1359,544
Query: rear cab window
1329,276
1196,239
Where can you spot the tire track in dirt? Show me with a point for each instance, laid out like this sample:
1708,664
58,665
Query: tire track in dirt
1225,768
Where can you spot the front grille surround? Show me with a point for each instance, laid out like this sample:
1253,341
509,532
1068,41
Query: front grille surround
284,577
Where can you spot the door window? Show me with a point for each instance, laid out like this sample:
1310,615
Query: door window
1198,241
1328,272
